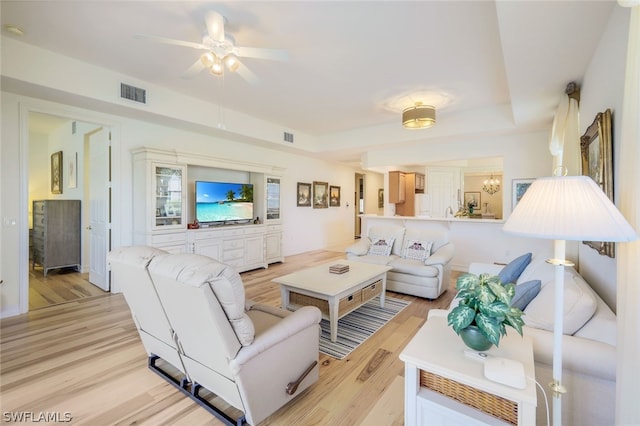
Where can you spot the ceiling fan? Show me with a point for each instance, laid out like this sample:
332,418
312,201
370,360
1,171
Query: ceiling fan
220,51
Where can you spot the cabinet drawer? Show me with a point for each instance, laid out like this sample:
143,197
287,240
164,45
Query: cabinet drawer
229,255
274,228
254,230
233,232
371,291
168,238
232,244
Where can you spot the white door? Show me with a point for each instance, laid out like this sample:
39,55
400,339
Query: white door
444,188
99,188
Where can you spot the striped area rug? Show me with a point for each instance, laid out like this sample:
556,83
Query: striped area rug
359,325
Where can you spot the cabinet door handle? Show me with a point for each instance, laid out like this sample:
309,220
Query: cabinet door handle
89,227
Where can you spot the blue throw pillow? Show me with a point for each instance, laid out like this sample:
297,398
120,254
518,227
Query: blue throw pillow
511,272
525,293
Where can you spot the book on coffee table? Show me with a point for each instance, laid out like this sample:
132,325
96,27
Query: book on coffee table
339,268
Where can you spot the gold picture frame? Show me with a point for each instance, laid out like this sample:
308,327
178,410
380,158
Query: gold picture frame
334,196
303,198
320,195
56,172
597,162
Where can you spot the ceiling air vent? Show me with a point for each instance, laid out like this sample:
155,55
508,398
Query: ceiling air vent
133,93
288,137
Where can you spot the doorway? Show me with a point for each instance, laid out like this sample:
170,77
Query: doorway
359,203
55,134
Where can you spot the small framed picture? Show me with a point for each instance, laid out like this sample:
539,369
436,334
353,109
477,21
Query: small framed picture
320,195
380,198
304,195
334,196
56,172
472,199
519,187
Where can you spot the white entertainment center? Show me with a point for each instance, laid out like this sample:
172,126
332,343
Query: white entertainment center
163,205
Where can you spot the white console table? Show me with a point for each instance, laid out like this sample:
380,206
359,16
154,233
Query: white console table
446,387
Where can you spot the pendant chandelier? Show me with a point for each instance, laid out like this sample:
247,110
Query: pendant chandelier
491,185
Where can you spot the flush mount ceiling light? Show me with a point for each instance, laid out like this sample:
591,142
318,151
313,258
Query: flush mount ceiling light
418,116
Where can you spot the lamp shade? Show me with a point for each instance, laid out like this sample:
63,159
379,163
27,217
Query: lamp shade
419,116
568,208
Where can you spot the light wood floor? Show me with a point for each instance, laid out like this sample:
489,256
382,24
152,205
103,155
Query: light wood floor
85,358
59,286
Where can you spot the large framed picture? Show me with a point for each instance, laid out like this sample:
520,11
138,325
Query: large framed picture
597,162
56,172
518,188
320,195
334,196
304,195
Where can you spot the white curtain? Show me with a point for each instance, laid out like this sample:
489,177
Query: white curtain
628,266
564,144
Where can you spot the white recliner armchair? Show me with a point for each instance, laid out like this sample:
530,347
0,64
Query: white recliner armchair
257,358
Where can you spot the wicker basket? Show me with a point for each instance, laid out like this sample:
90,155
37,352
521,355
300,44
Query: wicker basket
345,304
490,404
371,291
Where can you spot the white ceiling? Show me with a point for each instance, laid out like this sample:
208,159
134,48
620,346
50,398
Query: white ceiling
353,65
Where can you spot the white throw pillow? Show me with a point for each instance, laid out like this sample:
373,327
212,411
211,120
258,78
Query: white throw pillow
381,246
417,249
579,305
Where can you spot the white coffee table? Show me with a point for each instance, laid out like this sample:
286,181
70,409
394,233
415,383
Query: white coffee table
334,294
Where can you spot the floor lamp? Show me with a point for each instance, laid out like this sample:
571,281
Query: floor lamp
565,208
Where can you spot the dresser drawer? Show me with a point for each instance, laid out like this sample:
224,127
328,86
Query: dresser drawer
232,244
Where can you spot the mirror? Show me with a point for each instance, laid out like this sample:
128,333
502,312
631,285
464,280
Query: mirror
597,162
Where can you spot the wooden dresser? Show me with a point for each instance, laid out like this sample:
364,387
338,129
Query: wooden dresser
56,234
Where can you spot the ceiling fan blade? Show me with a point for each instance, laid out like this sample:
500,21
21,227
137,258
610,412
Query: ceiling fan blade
247,74
193,69
171,41
260,53
215,25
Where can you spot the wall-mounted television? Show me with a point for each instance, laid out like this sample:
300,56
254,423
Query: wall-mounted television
223,202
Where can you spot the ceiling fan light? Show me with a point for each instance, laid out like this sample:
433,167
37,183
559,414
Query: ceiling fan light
419,116
232,62
207,59
216,67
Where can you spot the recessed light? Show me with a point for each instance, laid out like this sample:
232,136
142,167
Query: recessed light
15,30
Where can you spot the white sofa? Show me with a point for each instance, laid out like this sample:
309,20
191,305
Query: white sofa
410,274
588,346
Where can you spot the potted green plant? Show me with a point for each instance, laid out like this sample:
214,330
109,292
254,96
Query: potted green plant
484,310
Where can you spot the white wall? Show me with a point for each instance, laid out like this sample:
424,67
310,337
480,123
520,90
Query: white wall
603,88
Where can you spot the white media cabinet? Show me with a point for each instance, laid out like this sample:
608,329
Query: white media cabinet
163,201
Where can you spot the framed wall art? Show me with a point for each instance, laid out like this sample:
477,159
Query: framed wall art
518,188
597,162
334,196
380,198
56,172
304,195
472,200
320,195
72,171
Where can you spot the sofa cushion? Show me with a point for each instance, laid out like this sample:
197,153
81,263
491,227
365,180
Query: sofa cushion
360,247
525,293
381,246
397,232
439,236
417,249
511,272
376,259
579,304
413,267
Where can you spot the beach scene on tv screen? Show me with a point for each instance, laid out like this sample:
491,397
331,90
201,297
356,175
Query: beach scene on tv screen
220,201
